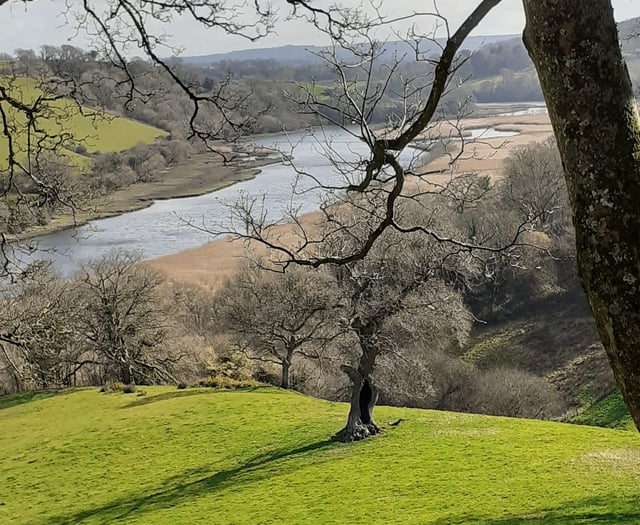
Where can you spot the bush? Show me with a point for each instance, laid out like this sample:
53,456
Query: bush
229,364
453,381
226,383
516,393
112,388
117,387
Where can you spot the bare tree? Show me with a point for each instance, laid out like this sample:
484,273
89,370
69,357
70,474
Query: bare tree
534,187
275,317
393,297
373,175
39,346
124,320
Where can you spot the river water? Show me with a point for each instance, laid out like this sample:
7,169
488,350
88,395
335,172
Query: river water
163,228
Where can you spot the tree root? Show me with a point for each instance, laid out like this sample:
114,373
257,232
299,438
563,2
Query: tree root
357,432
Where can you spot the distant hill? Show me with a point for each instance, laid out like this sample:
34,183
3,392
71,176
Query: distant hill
628,29
300,55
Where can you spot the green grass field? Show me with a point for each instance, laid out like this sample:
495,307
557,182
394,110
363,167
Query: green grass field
262,456
101,133
609,412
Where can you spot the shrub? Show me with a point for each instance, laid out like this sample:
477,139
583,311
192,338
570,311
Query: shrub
112,387
516,393
229,364
453,384
117,387
227,383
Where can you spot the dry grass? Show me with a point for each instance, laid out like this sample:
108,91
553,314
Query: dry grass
487,156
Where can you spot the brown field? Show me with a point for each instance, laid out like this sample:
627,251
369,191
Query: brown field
210,264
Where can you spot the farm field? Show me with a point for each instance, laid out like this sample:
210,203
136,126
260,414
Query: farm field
263,456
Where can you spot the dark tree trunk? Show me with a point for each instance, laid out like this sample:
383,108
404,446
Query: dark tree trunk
360,422
126,375
574,45
286,370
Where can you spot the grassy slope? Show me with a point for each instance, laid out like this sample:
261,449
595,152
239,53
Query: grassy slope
98,133
204,456
552,336
609,412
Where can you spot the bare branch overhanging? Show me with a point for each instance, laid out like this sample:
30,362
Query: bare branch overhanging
383,150
336,23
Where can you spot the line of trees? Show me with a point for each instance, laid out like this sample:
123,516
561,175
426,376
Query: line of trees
107,324
584,77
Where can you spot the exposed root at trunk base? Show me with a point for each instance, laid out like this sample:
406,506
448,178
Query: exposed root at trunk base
356,432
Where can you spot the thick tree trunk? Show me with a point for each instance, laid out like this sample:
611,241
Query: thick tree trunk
286,370
360,422
574,45
126,374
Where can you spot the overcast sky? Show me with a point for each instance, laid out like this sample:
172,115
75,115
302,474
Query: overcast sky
31,25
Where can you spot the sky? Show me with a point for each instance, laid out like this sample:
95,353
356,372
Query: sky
30,25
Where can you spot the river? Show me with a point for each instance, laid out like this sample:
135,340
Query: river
162,228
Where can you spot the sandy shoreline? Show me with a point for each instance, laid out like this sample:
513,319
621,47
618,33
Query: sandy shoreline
210,264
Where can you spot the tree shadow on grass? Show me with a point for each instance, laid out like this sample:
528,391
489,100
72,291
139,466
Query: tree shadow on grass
180,490
13,400
145,400
604,509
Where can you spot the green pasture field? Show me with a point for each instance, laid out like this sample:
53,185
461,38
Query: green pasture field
264,456
92,130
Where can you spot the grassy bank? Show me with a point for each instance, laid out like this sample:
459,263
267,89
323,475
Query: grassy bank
96,132
262,456
200,174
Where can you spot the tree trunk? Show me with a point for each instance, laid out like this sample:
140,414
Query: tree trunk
126,375
286,369
574,46
360,422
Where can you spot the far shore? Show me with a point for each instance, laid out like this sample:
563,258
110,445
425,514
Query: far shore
202,173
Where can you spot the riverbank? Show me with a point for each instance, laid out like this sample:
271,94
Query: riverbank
200,174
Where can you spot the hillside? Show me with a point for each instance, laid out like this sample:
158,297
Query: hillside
65,120
609,412
299,55
553,336
262,456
